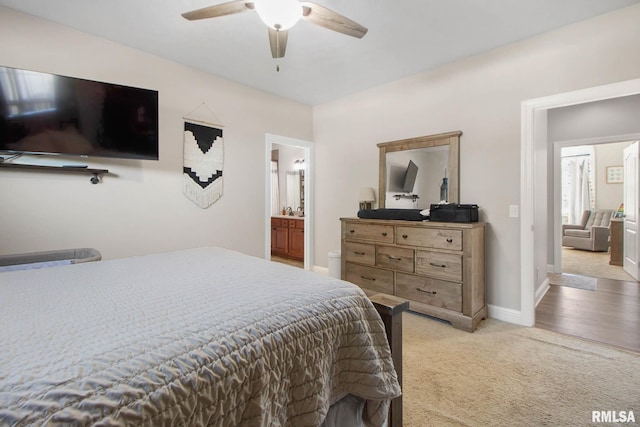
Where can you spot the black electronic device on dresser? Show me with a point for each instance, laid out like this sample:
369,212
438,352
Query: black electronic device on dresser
453,212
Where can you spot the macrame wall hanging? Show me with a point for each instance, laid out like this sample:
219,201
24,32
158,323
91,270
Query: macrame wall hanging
203,160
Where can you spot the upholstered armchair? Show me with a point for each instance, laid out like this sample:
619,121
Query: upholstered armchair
592,234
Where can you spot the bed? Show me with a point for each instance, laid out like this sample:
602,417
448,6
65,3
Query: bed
203,336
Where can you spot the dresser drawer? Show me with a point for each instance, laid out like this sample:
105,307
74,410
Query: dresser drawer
441,265
438,293
436,238
395,258
360,252
375,279
370,232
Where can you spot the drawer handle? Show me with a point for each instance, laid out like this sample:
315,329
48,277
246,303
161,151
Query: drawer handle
394,258
384,234
358,253
352,231
404,236
372,279
437,265
426,292
449,240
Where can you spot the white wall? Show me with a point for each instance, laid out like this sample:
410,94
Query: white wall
618,116
140,208
609,195
480,96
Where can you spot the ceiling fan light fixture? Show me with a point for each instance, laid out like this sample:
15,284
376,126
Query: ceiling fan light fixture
279,14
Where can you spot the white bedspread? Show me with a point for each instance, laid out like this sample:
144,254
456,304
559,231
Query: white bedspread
195,337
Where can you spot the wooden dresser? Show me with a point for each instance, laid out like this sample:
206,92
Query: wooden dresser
615,241
437,266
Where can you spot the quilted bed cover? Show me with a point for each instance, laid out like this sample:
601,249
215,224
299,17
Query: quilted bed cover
196,337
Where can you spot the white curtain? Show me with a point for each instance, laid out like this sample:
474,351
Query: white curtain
275,190
293,190
580,190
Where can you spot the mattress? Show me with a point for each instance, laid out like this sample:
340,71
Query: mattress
196,337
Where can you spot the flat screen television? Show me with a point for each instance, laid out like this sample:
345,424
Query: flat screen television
52,114
410,177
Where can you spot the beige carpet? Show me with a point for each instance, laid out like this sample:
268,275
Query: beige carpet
592,264
508,375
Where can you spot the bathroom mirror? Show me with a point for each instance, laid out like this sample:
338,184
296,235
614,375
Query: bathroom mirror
287,180
412,171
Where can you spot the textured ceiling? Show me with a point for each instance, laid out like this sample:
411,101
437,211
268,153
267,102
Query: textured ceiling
405,37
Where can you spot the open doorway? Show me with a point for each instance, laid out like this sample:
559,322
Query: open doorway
289,201
535,228
287,204
603,315
587,199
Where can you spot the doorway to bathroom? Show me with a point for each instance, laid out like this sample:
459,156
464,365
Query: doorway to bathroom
289,201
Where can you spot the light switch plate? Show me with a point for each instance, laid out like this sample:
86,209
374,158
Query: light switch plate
513,211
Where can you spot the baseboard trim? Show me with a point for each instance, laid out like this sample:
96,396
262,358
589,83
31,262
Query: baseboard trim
506,314
541,291
321,270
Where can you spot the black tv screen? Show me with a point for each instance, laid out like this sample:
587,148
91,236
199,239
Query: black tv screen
410,177
53,114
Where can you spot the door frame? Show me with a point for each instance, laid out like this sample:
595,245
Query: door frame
630,225
534,129
307,146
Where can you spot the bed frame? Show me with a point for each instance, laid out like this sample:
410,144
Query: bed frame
390,309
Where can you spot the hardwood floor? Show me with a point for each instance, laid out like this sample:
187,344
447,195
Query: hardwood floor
288,261
610,313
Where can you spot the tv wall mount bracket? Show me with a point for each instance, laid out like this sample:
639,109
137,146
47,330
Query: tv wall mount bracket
413,197
95,178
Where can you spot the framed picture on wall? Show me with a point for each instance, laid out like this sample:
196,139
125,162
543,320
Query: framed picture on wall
614,174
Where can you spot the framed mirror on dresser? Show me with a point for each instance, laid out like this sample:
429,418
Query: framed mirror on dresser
431,161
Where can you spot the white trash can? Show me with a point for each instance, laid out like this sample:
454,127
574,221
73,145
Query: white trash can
334,264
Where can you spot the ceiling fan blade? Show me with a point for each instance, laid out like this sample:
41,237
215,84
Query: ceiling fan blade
223,9
331,20
278,42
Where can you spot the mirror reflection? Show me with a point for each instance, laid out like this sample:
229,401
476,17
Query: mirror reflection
287,180
417,172
417,178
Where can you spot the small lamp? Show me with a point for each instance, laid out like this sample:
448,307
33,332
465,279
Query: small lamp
366,197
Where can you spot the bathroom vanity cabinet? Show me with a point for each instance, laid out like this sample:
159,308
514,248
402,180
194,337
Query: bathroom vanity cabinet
287,237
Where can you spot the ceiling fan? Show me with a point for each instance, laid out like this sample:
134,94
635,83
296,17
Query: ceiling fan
280,16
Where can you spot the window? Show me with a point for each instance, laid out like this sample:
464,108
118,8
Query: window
27,91
578,178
